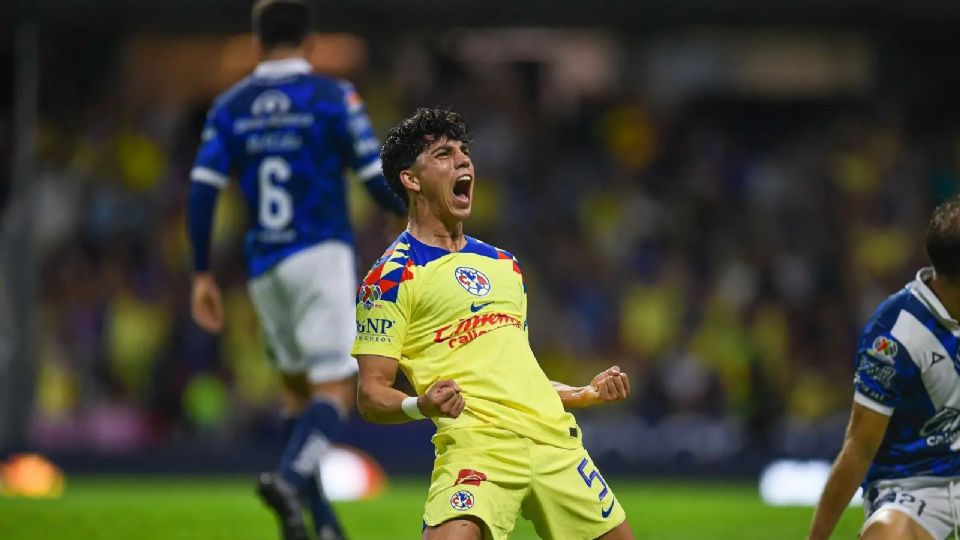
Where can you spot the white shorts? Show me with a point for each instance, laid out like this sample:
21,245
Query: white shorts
305,306
934,503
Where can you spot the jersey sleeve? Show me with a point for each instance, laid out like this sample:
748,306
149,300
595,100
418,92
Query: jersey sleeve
883,370
213,163
523,294
360,144
383,313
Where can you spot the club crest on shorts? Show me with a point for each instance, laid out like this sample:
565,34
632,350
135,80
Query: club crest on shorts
462,500
474,281
368,295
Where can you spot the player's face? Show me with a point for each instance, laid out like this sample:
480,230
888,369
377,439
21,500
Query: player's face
445,175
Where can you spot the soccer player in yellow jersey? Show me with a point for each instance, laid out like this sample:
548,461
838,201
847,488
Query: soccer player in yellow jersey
451,312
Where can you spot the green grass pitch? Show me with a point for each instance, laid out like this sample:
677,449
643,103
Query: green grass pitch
153,508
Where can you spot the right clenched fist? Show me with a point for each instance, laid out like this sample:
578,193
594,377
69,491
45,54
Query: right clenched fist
441,399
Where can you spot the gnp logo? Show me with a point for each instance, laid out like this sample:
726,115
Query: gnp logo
374,326
474,281
368,295
462,500
270,102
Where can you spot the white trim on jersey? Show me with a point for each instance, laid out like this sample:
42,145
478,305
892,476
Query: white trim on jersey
871,404
370,170
206,175
939,377
923,293
273,69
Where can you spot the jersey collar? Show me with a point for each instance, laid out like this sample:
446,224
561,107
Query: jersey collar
282,68
923,292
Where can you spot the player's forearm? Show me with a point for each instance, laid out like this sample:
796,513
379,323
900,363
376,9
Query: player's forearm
845,476
572,397
200,207
381,404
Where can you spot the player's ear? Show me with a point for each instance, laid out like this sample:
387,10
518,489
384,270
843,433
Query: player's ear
410,180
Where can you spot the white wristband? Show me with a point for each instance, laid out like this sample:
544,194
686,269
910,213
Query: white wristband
410,408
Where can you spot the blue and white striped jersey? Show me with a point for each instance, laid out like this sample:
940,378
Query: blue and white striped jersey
908,369
287,135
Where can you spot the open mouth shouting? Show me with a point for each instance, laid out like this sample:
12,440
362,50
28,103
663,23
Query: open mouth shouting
463,189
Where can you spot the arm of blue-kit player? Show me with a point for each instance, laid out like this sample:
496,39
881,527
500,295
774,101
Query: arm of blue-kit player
865,432
208,176
362,149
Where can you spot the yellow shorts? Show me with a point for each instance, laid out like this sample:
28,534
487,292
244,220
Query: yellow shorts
494,475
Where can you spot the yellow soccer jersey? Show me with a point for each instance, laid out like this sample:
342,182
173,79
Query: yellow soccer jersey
462,316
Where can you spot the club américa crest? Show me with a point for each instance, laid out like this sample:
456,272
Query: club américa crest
474,281
368,295
462,500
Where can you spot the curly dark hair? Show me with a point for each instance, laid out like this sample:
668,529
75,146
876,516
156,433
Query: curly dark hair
282,22
413,135
943,239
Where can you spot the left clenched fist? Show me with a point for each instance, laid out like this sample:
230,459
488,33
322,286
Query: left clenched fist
611,385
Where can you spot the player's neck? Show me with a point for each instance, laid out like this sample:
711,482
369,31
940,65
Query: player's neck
432,231
948,293
282,53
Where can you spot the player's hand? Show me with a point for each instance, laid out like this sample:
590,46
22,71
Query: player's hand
441,399
206,305
609,385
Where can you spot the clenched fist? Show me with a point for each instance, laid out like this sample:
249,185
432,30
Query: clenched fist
610,385
441,399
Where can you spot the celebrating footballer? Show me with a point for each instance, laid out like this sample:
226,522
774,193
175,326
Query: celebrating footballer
450,311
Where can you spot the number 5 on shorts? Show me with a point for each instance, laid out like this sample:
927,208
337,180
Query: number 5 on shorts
594,475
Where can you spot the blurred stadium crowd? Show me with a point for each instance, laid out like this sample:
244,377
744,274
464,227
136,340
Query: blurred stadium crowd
724,249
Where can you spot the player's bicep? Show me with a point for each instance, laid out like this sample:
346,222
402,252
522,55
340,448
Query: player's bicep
382,317
377,371
866,430
358,139
883,370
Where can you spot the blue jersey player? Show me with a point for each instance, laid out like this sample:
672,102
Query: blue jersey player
903,439
287,135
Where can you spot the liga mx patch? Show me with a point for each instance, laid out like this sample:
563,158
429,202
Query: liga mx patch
885,348
470,477
462,500
472,280
368,295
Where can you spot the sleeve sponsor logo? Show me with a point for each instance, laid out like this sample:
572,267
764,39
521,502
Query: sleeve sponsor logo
374,326
874,370
368,295
870,392
884,348
375,330
472,280
471,328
